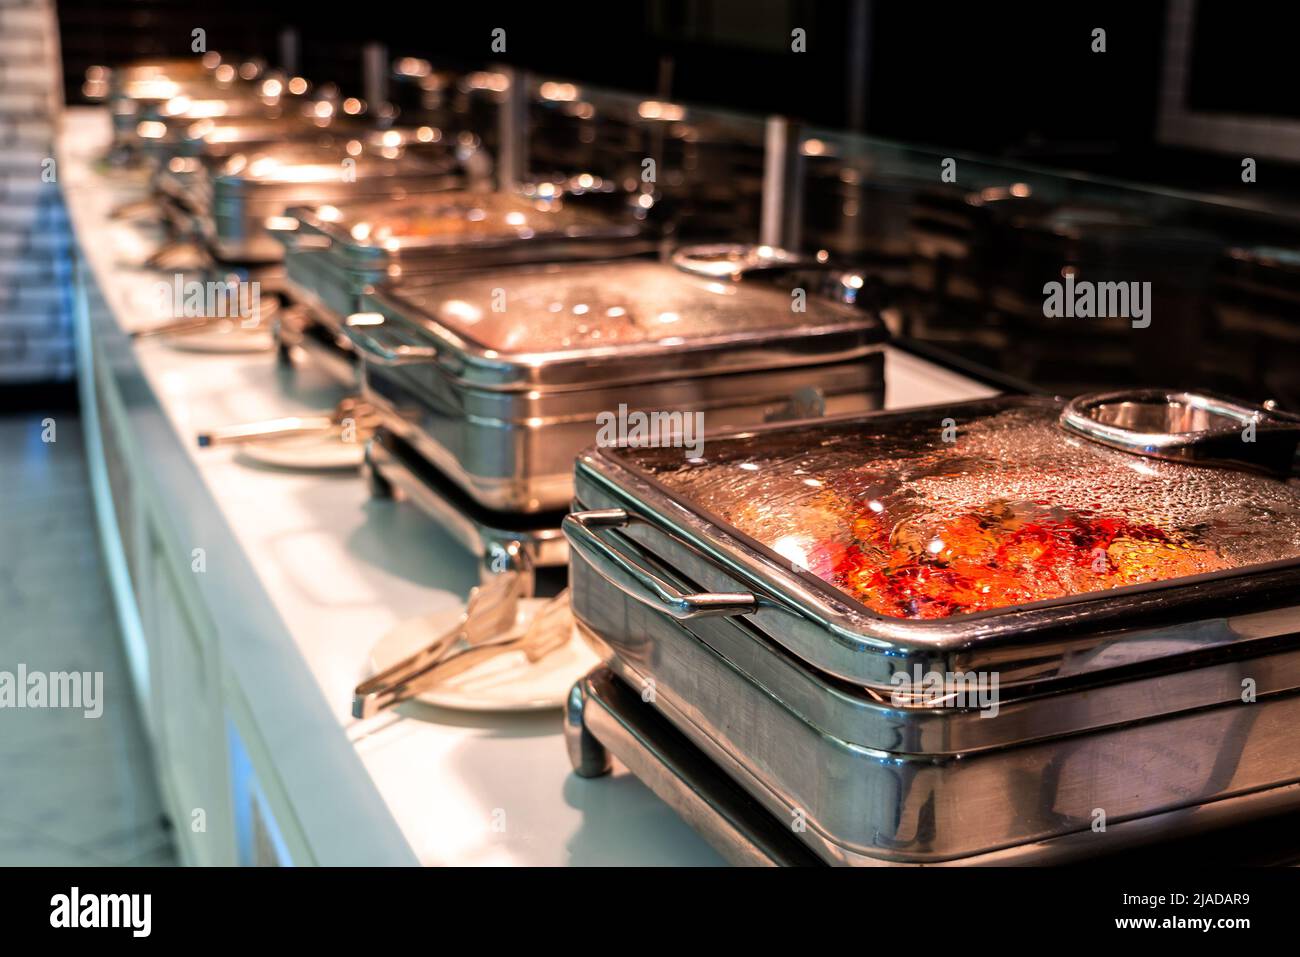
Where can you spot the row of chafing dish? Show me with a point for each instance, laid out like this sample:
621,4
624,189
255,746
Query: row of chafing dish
745,678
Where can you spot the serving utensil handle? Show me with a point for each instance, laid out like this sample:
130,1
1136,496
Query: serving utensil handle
635,580
173,327
269,429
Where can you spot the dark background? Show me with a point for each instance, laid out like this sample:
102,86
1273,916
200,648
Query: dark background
1006,79
1015,81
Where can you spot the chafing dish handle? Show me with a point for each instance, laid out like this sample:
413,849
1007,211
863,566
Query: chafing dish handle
369,332
638,582
293,235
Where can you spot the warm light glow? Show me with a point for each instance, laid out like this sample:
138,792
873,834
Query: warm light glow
411,66
461,311
793,549
486,80
560,92
152,90
657,110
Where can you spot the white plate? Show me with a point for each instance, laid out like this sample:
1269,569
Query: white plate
236,340
506,682
306,452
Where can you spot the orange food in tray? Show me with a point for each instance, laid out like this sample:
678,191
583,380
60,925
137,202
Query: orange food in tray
1005,555
1011,512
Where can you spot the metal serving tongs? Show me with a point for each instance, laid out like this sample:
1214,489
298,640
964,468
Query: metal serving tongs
362,415
267,313
1194,428
484,630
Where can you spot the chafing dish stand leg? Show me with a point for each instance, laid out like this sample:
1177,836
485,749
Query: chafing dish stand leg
606,719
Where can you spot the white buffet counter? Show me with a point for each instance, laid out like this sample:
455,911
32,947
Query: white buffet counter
245,654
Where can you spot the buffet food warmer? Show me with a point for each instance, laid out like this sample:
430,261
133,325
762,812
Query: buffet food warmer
138,92
1008,630
336,253
233,203
494,383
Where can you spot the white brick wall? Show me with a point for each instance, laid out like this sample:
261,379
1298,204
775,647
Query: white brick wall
36,342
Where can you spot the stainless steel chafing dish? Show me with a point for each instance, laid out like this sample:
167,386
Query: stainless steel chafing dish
334,254
183,180
340,251
500,380
159,128
147,84
220,138
204,145
234,203
960,634
481,410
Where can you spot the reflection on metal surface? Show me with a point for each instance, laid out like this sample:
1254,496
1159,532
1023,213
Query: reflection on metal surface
1189,427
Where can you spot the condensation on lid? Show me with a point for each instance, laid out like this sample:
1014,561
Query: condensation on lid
460,216
592,306
1009,511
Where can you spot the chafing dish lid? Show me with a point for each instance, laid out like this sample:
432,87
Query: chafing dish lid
980,528
458,219
1002,510
305,164
225,129
589,324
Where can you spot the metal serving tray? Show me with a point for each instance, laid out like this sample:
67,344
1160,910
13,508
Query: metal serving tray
1129,702
502,401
